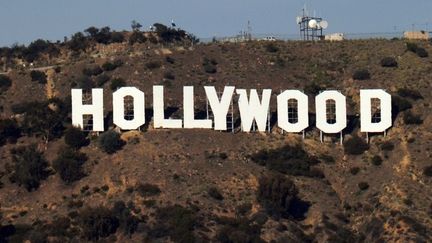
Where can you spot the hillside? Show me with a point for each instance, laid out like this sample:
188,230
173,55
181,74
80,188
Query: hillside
201,185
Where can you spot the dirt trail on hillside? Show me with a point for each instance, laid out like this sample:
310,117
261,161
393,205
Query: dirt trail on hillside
50,86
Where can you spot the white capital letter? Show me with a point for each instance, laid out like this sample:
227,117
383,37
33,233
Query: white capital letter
219,107
189,111
138,108
95,109
385,108
321,111
302,111
254,109
158,110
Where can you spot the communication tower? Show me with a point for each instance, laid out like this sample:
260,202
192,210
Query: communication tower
311,28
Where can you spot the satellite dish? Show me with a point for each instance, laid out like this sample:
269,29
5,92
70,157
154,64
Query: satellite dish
298,19
313,24
323,24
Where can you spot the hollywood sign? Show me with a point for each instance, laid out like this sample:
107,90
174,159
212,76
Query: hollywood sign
252,108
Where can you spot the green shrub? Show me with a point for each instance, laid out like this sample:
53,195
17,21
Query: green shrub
411,118
243,209
387,146
110,66
128,222
412,47
38,76
313,88
97,223
169,75
361,74
421,52
78,42
102,79
209,65
169,59
5,83
117,37
389,62
376,160
238,230
69,165
214,193
137,37
110,142
409,93
30,167
177,222
363,186
147,190
117,83
355,145
92,71
272,48
427,171
85,82
354,170
75,137
9,131
400,104
153,65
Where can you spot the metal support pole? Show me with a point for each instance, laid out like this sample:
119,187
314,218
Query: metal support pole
232,116
207,108
268,120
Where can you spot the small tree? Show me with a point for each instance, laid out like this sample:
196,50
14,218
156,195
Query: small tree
5,83
427,171
409,93
92,31
117,83
135,25
147,189
361,74
98,223
214,193
389,62
78,42
69,165
209,65
38,76
75,138
110,142
9,130
363,186
376,160
411,118
276,192
30,167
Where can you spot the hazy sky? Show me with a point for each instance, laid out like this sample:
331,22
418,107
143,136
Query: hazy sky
25,20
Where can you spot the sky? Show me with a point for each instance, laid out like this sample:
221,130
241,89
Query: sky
22,21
